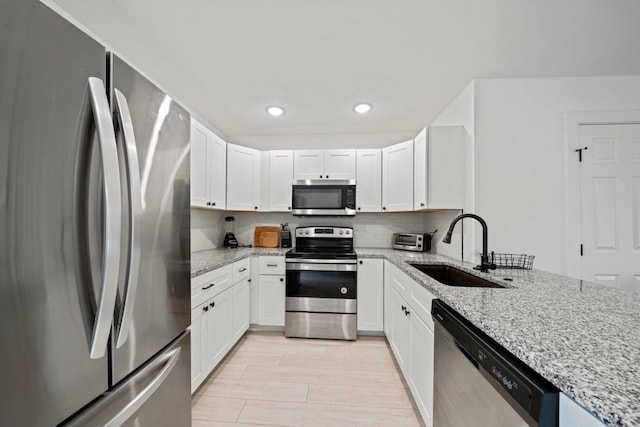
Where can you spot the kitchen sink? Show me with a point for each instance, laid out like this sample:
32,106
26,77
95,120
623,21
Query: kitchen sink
453,276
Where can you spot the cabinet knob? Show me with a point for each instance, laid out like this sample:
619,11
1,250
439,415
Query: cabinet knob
248,280
320,176
327,176
404,308
407,312
205,308
208,203
255,207
359,208
213,304
361,262
384,208
289,207
281,279
213,203
421,204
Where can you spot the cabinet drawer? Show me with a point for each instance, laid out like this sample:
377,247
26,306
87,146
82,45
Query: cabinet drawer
419,298
241,270
210,284
399,281
271,265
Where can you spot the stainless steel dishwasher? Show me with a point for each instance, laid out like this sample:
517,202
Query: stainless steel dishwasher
479,383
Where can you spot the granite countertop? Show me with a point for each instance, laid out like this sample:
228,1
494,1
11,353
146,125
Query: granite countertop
583,338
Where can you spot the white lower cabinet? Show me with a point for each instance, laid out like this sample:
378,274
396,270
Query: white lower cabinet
220,309
271,290
370,294
219,334
241,308
574,415
410,334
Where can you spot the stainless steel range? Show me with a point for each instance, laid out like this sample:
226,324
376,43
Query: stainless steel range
321,284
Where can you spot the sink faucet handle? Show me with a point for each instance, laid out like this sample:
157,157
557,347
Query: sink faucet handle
492,264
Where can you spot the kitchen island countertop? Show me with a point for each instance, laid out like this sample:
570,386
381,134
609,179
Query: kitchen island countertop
582,337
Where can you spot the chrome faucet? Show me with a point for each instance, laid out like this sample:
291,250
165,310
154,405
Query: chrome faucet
485,265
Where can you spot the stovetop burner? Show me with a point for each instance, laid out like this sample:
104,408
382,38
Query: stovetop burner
322,242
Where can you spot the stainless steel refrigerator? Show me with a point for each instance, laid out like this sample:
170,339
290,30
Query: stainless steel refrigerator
94,233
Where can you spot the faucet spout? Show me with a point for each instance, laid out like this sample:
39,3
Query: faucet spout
485,265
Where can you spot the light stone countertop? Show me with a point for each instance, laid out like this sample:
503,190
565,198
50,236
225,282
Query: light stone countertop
583,338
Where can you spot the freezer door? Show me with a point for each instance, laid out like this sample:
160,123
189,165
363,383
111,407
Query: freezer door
154,297
157,395
51,242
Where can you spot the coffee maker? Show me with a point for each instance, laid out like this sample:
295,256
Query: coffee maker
230,240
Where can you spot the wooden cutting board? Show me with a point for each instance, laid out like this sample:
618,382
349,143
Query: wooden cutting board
266,237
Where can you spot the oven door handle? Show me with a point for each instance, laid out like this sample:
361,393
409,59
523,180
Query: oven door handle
319,261
310,266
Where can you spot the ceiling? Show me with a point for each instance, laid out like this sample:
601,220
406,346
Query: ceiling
228,59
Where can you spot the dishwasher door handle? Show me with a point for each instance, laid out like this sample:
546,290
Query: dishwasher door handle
467,354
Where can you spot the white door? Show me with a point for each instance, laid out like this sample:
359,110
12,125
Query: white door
243,178
308,164
199,165
610,205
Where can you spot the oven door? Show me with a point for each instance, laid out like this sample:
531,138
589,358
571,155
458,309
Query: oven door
321,287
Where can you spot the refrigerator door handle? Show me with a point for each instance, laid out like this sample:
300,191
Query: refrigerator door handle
112,221
135,215
135,404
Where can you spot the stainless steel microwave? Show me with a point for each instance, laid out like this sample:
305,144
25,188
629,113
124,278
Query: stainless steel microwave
418,242
323,197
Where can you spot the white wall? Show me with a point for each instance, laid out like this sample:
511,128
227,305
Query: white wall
461,111
520,157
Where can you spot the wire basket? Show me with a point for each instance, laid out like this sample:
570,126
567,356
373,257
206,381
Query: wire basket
515,261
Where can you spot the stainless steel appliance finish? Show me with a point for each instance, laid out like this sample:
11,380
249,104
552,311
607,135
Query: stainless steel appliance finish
88,225
323,198
417,242
321,291
476,382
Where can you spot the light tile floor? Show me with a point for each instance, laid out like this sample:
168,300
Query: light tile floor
270,380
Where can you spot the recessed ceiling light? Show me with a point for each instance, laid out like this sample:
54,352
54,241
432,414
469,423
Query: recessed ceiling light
275,111
362,108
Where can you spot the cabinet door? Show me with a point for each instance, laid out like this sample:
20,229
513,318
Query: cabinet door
199,165
387,300
271,300
219,324
280,180
243,178
217,172
420,165
241,308
369,180
449,157
421,372
400,331
370,294
340,164
308,164
198,345
397,177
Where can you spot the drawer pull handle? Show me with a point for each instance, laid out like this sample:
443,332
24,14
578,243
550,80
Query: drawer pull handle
272,265
242,270
204,288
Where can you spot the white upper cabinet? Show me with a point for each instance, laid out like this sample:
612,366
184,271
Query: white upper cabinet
397,177
280,180
208,168
448,160
340,164
369,180
243,178
420,163
325,164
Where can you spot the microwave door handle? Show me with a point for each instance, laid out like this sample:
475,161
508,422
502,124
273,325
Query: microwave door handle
112,212
135,215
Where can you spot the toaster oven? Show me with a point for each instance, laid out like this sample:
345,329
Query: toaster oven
418,242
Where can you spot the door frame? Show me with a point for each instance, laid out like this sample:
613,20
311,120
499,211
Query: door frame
573,219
